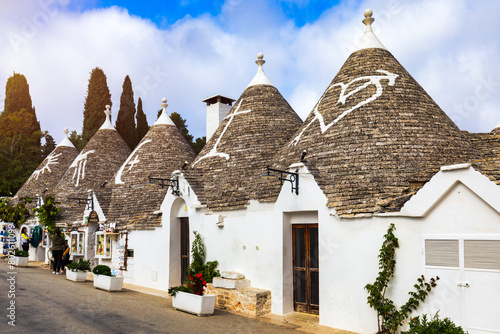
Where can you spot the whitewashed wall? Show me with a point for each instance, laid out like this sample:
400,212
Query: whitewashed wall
257,243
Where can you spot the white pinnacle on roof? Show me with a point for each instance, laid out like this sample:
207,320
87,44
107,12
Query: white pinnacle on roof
66,141
369,40
260,78
164,119
107,122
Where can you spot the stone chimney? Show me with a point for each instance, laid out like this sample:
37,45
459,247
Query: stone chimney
218,107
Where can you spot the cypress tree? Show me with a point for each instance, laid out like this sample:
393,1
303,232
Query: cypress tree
142,122
98,96
17,97
20,134
125,123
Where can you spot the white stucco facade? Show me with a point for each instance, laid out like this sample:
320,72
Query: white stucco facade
459,203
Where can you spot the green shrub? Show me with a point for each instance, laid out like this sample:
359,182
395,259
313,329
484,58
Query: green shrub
433,326
198,265
21,253
82,265
102,270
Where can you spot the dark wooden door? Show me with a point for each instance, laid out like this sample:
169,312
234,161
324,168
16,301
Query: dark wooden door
184,248
305,268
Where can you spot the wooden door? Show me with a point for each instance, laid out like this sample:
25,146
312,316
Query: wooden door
184,248
305,268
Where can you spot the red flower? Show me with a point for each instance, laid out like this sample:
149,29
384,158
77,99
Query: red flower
204,282
199,275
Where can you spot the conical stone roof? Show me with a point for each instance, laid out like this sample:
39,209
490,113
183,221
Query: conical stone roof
44,179
375,136
162,151
225,173
97,163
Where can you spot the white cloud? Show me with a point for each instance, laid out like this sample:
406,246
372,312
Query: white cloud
450,47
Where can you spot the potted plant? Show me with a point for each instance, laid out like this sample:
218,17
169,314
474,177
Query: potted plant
190,297
20,258
105,281
77,271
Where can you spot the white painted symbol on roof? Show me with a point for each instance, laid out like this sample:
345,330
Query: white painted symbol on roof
213,152
51,160
372,80
79,164
118,177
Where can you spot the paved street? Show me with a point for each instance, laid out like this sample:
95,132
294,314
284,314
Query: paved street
46,303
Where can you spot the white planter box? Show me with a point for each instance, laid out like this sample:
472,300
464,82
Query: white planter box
189,302
21,261
76,276
108,283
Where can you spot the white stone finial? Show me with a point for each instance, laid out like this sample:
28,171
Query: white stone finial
107,122
164,119
260,78
260,59
66,141
368,20
369,40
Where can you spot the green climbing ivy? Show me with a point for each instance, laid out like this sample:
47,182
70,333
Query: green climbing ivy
47,212
389,317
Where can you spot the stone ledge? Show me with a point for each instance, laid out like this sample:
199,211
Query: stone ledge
248,301
227,283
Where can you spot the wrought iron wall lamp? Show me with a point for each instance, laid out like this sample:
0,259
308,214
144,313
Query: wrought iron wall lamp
292,177
173,183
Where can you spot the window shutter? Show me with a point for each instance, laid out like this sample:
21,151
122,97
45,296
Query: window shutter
441,253
482,254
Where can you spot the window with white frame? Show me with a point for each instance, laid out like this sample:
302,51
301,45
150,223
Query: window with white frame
102,245
77,243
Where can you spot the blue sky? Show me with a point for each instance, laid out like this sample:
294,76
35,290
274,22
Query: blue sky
187,51
164,13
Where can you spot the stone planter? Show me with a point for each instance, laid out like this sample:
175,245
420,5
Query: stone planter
76,276
108,283
195,304
21,261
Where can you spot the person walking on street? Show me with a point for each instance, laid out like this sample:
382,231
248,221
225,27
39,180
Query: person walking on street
65,256
57,249
25,239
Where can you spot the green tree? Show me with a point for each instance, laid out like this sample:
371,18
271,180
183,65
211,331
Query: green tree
47,212
49,145
20,151
98,96
198,144
125,123
77,140
142,122
13,214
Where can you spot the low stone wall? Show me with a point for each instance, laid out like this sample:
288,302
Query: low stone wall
248,301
